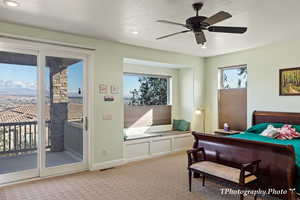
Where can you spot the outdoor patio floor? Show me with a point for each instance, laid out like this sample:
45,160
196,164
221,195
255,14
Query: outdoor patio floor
29,161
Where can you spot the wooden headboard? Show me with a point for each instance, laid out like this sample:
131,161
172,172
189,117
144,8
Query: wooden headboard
275,117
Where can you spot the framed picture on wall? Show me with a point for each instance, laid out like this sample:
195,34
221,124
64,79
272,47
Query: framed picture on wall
103,88
289,82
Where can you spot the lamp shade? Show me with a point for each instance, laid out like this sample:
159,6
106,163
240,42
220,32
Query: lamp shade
198,120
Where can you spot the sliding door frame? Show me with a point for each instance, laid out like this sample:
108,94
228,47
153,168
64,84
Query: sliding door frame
41,50
82,165
30,173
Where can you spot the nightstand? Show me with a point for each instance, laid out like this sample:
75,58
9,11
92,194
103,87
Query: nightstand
222,132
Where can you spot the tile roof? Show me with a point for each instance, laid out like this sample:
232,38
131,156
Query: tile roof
28,113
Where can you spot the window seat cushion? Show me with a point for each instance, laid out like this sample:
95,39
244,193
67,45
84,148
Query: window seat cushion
181,125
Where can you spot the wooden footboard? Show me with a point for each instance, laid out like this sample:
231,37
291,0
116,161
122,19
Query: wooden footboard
277,167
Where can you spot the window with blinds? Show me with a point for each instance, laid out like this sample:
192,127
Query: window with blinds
232,97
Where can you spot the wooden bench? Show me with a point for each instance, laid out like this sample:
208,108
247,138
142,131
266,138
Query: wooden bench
243,175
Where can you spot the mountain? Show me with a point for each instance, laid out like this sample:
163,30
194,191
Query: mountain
19,88
9,87
16,84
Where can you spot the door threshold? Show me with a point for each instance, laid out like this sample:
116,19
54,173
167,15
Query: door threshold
41,178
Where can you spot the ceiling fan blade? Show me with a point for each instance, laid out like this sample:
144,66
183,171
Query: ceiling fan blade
227,29
165,36
200,37
220,16
169,22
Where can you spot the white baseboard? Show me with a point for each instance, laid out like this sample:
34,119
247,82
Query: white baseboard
107,164
119,162
128,160
181,150
26,180
157,155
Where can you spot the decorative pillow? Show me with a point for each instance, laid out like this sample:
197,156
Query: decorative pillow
184,126
181,125
176,124
288,133
259,128
297,127
270,131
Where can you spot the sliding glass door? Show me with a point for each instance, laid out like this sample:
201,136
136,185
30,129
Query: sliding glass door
18,115
64,111
42,113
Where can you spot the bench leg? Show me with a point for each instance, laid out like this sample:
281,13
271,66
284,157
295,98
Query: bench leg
292,195
190,180
196,175
241,197
203,180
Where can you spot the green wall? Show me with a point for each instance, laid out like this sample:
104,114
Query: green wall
263,79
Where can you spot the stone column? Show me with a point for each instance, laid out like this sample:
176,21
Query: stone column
58,102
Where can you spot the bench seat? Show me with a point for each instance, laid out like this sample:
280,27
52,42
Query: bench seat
222,171
244,175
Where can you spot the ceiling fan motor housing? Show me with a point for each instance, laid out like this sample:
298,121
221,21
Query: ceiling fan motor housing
195,23
197,6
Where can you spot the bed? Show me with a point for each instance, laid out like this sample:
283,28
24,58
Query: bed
276,117
280,158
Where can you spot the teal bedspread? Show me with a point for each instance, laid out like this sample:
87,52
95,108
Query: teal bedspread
295,143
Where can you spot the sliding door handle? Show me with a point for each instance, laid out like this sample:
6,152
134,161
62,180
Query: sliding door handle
86,123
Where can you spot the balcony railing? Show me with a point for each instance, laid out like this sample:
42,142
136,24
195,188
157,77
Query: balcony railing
21,137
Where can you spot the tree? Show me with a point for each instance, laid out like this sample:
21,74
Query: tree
243,75
225,81
134,97
152,91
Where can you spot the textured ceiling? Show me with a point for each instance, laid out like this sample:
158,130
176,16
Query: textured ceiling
268,21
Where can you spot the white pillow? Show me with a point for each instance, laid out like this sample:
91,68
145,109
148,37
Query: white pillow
270,131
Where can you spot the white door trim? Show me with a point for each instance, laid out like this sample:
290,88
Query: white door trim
39,49
25,174
44,41
49,171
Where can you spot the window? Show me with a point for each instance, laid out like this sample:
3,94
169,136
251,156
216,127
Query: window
146,100
233,77
232,97
146,90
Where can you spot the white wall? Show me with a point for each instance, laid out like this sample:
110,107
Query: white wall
263,82
108,134
186,85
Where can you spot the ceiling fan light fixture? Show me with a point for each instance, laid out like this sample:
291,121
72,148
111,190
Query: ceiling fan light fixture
198,24
11,3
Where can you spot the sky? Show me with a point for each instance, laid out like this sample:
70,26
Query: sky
233,77
130,82
24,77
22,73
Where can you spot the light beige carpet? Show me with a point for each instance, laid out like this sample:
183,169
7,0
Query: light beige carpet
163,178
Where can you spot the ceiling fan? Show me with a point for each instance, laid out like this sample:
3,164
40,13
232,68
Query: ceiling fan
198,23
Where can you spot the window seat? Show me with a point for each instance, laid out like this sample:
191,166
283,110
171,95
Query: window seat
155,134
156,144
